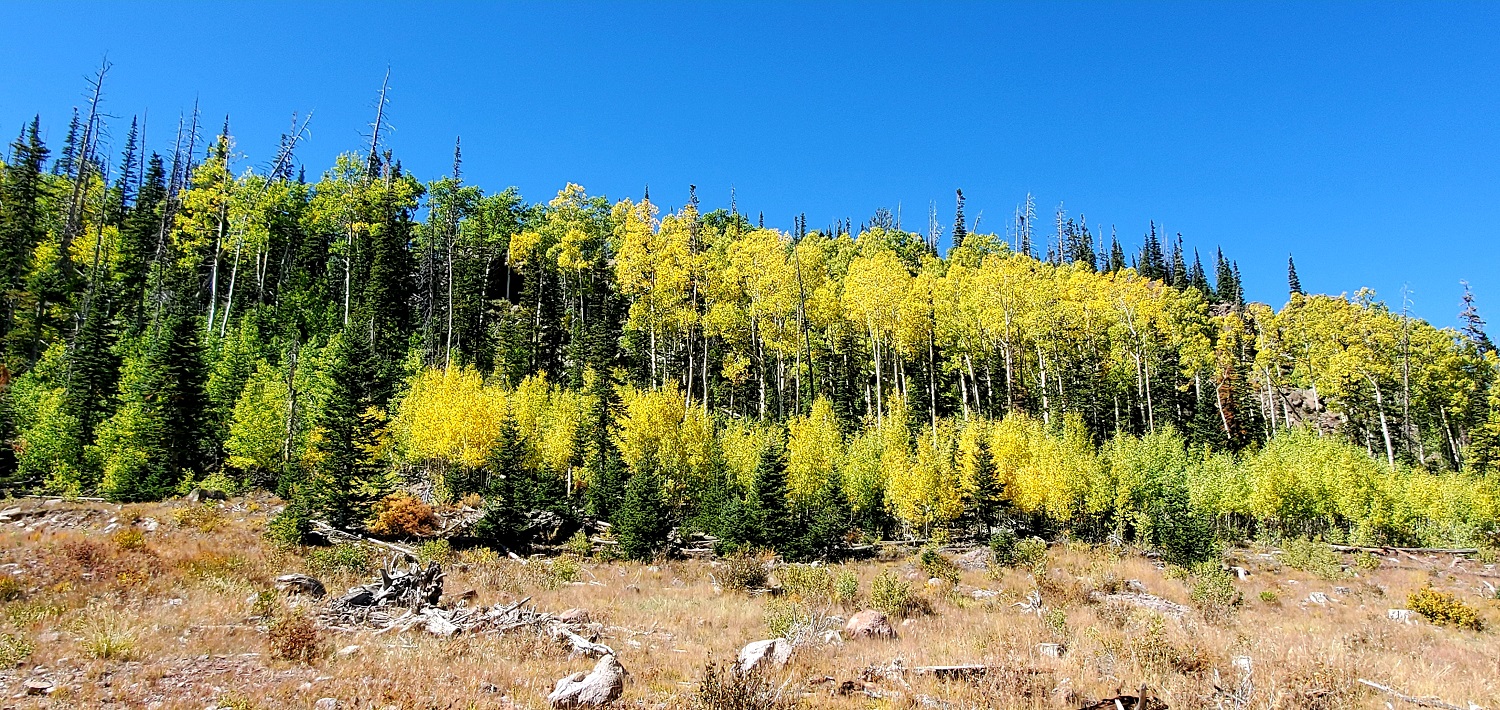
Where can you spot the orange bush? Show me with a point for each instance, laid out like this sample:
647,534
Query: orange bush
402,515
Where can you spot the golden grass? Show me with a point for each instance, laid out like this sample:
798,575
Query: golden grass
179,616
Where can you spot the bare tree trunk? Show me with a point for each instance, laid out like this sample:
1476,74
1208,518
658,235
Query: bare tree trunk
1385,430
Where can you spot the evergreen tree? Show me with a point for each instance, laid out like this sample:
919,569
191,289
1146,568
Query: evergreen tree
23,190
1197,278
642,521
1179,272
1473,324
1152,264
66,161
345,477
1116,255
767,508
1293,284
960,230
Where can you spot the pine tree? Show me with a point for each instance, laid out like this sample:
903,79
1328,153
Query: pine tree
960,230
345,478
1197,278
1226,289
69,156
1152,264
22,219
1116,255
1179,273
822,524
1473,324
767,507
1294,284
642,521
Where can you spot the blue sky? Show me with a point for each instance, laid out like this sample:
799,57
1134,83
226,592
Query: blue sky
1361,137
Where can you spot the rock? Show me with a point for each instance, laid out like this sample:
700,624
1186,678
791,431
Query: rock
975,560
1240,573
49,636
984,594
1405,616
348,650
869,624
1143,601
937,584
1242,664
596,688
149,524
908,622
200,495
326,704
832,637
1050,650
1318,598
300,584
1343,590
39,686
763,654
1134,585
574,616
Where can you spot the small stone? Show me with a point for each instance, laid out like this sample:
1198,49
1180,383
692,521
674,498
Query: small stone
937,583
348,650
984,594
869,624
1240,573
1050,650
49,636
1318,598
574,616
1404,616
326,704
832,637
39,686
1342,590
596,688
908,622
975,560
1134,585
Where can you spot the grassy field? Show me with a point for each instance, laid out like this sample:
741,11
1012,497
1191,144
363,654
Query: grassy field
172,606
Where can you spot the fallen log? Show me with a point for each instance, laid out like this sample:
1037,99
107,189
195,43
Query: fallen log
970,670
334,535
1422,550
1423,702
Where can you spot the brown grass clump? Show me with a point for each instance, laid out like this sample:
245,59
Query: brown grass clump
204,517
1444,608
402,515
295,637
742,571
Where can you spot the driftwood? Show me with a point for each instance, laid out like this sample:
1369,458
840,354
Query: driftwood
971,670
1422,550
1424,702
334,535
596,688
1142,700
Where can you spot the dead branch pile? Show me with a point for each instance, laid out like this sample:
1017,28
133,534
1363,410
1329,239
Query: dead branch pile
402,600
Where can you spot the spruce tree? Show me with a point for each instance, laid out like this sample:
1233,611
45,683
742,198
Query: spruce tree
642,521
767,508
1179,272
1198,279
960,230
22,218
345,479
1293,284
1473,323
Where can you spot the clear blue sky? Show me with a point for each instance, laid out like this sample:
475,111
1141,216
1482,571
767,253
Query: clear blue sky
1362,137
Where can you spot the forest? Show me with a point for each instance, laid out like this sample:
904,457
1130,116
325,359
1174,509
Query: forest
350,338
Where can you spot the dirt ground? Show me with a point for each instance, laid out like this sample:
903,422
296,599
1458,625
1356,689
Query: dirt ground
169,606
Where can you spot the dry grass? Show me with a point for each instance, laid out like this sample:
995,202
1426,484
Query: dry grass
182,615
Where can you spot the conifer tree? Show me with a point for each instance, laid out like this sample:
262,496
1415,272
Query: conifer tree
22,217
642,521
767,507
1473,324
1293,284
345,476
1179,272
960,230
1197,278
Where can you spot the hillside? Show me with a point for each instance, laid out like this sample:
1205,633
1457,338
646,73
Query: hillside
173,605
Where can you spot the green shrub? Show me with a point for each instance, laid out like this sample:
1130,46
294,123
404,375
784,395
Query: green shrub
782,616
934,564
1268,596
1367,561
805,581
1003,544
741,571
1031,552
846,587
438,550
579,545
291,526
1313,557
564,571
14,649
344,557
11,589
1443,608
1213,591
1056,621
110,642
892,595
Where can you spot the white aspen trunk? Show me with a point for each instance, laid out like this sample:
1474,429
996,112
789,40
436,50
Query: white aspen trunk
1385,430
234,277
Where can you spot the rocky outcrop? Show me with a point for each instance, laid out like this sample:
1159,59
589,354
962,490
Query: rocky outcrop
869,624
596,688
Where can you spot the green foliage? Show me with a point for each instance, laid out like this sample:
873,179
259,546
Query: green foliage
1269,596
845,587
727,688
579,545
1441,607
1213,590
893,595
438,550
783,616
805,581
643,520
348,558
14,649
1003,544
934,564
1313,557
1030,552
